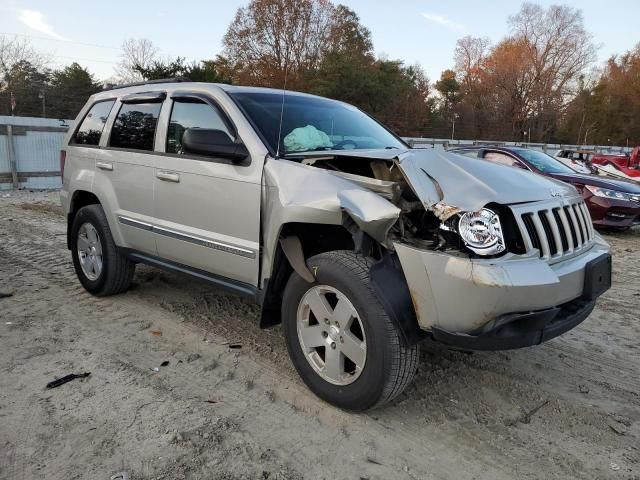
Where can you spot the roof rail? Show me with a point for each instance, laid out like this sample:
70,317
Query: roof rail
108,86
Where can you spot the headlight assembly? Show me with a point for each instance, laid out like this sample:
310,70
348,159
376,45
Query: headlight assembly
481,232
606,193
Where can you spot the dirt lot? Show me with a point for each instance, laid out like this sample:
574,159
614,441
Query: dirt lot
567,409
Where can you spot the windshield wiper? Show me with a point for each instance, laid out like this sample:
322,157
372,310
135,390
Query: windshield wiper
317,149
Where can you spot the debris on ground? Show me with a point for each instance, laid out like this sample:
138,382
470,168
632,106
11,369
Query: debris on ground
120,476
165,363
193,357
618,428
156,333
5,294
67,379
62,329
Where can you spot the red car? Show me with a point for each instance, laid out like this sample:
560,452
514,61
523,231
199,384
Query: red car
612,203
627,164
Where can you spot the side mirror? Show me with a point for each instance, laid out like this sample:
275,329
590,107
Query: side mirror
213,143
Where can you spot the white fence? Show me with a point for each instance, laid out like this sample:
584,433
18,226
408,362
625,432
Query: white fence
549,148
30,151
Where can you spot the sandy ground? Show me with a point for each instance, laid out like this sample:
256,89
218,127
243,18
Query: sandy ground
567,409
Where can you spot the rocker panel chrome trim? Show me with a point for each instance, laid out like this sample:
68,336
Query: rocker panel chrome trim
203,242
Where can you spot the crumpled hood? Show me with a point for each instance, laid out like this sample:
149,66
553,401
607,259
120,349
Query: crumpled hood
466,183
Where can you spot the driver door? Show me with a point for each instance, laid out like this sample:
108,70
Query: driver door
207,209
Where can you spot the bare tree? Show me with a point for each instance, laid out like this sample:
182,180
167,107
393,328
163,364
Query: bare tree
17,50
527,80
470,53
559,51
137,54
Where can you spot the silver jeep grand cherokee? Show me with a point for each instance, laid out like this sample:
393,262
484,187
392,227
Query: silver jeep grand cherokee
360,245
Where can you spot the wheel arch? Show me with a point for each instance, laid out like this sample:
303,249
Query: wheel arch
301,241
79,199
296,243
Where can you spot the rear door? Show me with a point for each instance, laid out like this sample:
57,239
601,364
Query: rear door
207,209
84,143
126,168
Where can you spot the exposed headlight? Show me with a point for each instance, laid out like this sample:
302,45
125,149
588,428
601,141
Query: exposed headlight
606,193
481,232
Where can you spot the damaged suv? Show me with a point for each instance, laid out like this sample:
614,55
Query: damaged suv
358,244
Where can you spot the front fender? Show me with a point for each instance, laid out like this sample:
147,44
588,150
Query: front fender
296,193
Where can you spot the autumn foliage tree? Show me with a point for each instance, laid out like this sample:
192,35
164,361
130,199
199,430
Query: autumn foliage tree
270,39
526,82
607,107
322,48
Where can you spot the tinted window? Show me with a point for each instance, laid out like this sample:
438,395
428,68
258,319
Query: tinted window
93,123
467,153
313,123
135,126
543,162
502,159
192,114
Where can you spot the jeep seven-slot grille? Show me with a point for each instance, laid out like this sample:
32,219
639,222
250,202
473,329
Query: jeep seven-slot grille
559,231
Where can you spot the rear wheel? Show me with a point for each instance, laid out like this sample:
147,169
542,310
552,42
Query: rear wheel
101,269
340,339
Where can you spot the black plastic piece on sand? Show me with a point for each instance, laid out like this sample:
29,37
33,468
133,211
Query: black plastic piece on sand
66,379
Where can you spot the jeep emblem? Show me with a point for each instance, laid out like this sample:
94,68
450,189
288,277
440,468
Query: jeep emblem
556,193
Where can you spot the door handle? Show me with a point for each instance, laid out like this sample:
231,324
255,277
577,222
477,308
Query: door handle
105,165
168,176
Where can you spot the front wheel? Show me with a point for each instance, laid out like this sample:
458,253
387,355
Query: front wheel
340,339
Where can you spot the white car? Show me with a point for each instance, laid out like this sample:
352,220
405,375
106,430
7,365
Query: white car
578,160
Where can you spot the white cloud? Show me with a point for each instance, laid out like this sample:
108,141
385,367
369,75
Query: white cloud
36,21
443,21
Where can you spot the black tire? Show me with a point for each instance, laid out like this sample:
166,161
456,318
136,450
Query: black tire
117,270
389,367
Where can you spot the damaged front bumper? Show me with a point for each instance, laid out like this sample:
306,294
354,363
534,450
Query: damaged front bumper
521,330
509,302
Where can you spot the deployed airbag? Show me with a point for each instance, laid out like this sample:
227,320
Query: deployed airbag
306,138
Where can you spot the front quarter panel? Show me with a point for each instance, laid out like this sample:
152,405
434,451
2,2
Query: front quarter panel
298,193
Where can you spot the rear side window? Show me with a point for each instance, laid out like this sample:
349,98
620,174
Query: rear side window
192,114
135,126
467,153
93,124
502,158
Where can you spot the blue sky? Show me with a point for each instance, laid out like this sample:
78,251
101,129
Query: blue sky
416,31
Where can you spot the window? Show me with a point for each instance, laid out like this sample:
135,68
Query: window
312,123
93,123
502,158
467,153
192,114
543,162
135,126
